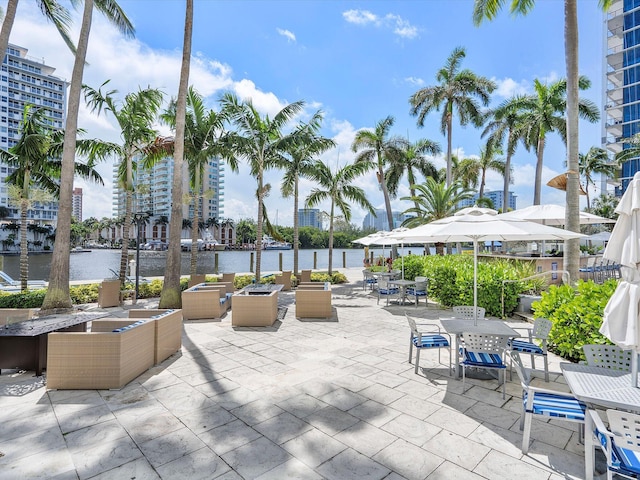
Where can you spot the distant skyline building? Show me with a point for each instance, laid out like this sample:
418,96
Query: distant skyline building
76,204
28,81
379,221
310,217
495,196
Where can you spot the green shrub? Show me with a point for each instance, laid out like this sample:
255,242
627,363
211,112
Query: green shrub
576,315
84,294
30,299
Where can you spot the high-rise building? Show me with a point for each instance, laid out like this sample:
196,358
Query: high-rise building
379,221
25,80
310,217
495,196
76,204
622,83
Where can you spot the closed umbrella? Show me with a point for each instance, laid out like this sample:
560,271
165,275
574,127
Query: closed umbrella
482,227
621,317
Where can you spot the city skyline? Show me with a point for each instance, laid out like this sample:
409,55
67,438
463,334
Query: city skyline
356,61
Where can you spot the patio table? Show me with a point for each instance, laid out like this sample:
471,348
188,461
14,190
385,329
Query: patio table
458,326
403,284
602,387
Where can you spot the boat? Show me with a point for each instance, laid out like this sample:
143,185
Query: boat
269,243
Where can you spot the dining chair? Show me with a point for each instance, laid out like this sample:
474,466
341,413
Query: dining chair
483,350
540,332
419,290
431,338
466,312
368,279
608,356
386,290
620,443
544,402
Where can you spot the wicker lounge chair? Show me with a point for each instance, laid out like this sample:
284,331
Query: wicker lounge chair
109,294
196,279
284,279
254,310
205,302
228,277
168,331
305,276
314,302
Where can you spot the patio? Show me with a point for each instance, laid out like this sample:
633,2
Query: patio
320,398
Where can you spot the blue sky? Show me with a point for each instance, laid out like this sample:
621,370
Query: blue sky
358,62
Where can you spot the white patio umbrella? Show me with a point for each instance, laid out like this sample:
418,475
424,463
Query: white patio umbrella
621,317
551,214
380,238
481,227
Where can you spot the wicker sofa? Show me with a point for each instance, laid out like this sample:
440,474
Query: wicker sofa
314,302
205,301
168,330
254,310
100,360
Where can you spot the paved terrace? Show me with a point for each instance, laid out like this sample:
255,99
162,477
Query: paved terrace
304,399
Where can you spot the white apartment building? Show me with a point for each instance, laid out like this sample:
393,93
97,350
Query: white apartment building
76,204
26,80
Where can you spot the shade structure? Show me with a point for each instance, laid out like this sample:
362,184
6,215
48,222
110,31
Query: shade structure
621,319
372,239
551,214
600,237
481,227
560,182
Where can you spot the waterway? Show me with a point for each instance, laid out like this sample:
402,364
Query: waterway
97,264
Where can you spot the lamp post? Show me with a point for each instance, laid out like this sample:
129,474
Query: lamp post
139,219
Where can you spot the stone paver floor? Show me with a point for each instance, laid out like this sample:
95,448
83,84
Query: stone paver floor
309,399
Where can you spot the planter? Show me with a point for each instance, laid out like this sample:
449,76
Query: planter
525,301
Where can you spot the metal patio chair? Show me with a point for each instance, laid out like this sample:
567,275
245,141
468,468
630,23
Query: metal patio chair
431,338
540,332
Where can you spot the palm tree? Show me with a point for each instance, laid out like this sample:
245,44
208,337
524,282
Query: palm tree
544,112
413,157
478,167
377,149
301,162
58,289
596,160
338,188
135,117
505,121
489,9
459,90
262,143
36,169
435,200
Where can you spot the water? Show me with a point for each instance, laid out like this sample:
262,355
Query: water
96,264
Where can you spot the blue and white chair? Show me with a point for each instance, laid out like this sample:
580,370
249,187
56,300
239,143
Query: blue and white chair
419,290
368,279
539,332
429,339
386,290
544,403
620,443
486,351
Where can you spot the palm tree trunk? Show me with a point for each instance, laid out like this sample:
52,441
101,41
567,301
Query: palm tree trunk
259,225
7,25
331,237
170,296
296,242
24,245
572,219
538,179
193,267
412,191
449,152
124,251
483,179
58,290
507,176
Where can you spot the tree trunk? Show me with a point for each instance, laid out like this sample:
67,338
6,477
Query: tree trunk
126,230
331,237
449,152
507,176
24,243
170,296
296,226
58,290
538,179
412,191
482,183
7,25
260,220
193,266
572,215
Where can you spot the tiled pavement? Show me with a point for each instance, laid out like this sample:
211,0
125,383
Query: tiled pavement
304,399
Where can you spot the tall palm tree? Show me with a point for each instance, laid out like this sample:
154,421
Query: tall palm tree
135,116
413,156
505,121
262,143
35,160
203,129
376,150
58,289
301,162
478,167
337,187
458,90
488,9
596,160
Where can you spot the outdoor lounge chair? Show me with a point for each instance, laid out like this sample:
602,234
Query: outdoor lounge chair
196,279
419,290
368,279
305,276
544,402
386,290
431,338
312,302
540,331
205,302
608,356
484,350
284,279
620,443
109,293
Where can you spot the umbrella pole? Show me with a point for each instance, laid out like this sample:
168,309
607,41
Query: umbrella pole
475,282
402,245
634,369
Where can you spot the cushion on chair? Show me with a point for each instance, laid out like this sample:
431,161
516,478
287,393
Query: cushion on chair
388,291
483,359
625,461
526,347
129,327
554,405
431,341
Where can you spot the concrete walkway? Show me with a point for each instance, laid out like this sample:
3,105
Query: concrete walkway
307,399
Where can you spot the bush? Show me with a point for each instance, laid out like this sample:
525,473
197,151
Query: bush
30,299
576,315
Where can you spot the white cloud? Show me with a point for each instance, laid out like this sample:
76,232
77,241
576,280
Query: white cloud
398,25
360,17
290,36
414,81
508,87
401,27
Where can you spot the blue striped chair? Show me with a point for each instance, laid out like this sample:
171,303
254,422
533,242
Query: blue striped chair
484,350
386,290
540,332
544,402
433,338
419,290
620,443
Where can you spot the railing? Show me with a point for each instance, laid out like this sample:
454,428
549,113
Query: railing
566,277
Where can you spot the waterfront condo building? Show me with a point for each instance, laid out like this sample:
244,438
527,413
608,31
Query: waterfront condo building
76,204
379,220
310,217
495,196
26,80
